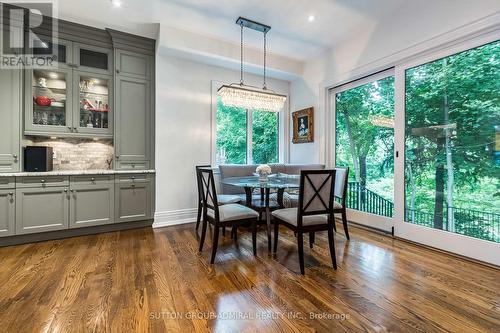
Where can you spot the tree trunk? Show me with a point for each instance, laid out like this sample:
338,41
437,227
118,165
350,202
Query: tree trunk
439,190
450,180
413,187
362,179
352,146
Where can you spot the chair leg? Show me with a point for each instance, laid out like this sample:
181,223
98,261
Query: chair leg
334,224
276,231
215,243
254,237
203,233
224,231
311,239
300,242
198,218
344,221
331,243
235,233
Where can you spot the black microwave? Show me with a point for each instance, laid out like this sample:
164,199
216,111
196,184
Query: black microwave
38,159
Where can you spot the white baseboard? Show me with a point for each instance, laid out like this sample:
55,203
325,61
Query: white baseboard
174,217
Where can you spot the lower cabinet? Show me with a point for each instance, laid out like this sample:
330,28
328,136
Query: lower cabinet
132,199
41,209
31,205
92,202
7,212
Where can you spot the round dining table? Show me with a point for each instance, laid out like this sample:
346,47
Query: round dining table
279,182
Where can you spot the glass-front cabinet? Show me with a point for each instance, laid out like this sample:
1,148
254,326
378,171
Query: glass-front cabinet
93,103
72,98
50,102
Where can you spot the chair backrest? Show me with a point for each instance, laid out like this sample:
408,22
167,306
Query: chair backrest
316,193
208,191
341,181
198,180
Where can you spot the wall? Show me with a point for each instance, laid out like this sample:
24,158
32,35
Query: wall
378,44
183,130
77,154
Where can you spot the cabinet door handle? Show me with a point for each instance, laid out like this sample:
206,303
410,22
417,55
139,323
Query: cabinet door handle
42,181
75,129
92,179
70,128
117,71
65,190
11,194
15,156
117,157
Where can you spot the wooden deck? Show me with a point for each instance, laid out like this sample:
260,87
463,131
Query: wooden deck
155,280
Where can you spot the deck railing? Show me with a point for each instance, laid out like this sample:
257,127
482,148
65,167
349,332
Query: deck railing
479,224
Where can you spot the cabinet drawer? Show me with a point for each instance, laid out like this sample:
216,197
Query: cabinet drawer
136,165
7,182
92,180
49,181
132,178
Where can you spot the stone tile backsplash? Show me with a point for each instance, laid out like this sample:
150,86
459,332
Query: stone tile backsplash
77,154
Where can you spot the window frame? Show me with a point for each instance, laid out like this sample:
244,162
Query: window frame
283,129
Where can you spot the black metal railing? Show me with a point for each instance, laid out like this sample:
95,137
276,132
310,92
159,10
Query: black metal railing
469,222
474,223
361,198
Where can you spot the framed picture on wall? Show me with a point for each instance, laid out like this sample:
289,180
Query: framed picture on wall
303,125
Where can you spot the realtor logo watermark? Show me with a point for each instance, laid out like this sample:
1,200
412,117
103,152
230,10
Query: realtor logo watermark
28,36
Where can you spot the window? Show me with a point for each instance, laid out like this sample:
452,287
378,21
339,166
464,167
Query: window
452,118
246,136
364,142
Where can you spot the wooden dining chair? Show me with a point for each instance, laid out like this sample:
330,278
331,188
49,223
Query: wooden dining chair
223,199
341,183
221,216
314,212
339,205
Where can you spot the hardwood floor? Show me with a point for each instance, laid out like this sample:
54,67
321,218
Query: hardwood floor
144,279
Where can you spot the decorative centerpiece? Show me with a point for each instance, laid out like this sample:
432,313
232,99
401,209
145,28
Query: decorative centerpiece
263,171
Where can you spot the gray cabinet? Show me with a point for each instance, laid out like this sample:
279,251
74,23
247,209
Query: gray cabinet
93,59
133,198
133,121
92,201
10,113
133,64
41,209
69,103
7,212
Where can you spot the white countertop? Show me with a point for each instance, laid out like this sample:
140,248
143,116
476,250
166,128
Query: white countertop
75,173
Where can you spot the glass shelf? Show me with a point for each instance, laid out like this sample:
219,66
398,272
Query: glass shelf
49,88
94,102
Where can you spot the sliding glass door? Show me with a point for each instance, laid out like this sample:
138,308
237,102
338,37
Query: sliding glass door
364,141
447,133
452,162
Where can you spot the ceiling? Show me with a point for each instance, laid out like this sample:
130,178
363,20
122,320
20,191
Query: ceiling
292,35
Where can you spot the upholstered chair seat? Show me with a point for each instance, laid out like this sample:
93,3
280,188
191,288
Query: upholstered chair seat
231,212
290,215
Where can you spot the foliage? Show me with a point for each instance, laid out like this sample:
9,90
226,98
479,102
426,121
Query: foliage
231,137
451,103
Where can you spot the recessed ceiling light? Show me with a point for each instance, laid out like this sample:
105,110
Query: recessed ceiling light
311,18
116,3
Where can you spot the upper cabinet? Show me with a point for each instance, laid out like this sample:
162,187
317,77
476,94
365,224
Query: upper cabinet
73,98
134,98
92,58
133,64
10,117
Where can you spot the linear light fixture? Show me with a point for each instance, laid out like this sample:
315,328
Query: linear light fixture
249,97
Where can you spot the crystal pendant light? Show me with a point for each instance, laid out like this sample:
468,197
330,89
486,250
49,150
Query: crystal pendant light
249,97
